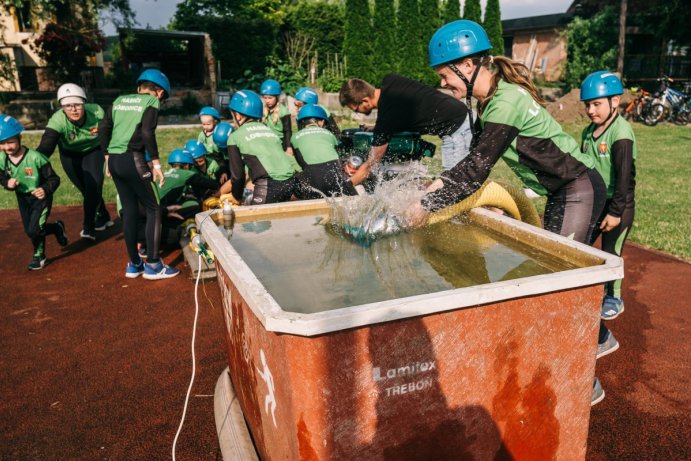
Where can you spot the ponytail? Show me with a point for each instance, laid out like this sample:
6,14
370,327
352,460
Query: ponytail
510,71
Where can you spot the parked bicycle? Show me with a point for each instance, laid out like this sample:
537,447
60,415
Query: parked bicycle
669,104
637,109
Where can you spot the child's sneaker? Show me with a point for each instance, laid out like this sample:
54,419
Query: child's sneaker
598,394
87,235
134,270
609,345
611,307
158,271
61,235
37,263
102,223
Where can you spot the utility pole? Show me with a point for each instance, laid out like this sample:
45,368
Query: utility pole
622,36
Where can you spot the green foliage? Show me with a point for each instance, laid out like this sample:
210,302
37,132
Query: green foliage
591,44
321,20
385,40
333,74
254,34
493,28
430,21
412,52
472,11
452,11
291,78
357,43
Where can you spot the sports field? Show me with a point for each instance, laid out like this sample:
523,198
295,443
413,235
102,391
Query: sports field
663,189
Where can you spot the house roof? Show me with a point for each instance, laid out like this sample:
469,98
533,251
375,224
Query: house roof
162,33
547,21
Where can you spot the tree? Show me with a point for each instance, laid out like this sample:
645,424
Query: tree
591,44
255,32
492,25
452,11
472,11
430,21
385,42
321,20
357,44
71,33
412,54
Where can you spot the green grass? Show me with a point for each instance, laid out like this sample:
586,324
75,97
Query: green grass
663,188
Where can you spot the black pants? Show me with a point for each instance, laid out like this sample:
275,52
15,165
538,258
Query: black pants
273,191
34,213
324,180
573,210
133,181
86,173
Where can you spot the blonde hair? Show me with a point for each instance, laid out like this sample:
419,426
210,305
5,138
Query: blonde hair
503,68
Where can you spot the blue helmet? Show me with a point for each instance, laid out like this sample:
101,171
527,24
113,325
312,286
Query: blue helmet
247,102
600,84
312,111
195,148
307,95
270,87
157,77
180,156
208,110
9,127
457,40
221,133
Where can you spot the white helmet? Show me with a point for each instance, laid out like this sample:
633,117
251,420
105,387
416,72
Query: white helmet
69,93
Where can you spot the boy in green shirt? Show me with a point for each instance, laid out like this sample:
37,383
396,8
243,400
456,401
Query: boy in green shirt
202,163
31,176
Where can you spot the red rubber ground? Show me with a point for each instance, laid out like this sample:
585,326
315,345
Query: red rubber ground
95,366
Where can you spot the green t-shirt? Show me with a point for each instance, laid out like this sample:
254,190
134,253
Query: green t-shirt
213,169
316,145
128,111
277,125
175,185
73,138
259,143
208,141
27,172
541,141
600,149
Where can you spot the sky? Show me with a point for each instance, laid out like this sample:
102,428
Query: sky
157,13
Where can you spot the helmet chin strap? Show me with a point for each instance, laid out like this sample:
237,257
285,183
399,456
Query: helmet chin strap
612,112
469,84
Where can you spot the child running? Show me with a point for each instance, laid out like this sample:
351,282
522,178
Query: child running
257,147
30,175
315,150
610,141
74,130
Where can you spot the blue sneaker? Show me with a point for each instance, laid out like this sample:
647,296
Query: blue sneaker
134,270
609,345
158,271
611,307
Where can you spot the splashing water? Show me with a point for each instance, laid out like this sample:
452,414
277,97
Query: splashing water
365,218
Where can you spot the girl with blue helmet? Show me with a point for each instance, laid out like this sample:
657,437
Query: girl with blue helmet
306,95
30,175
610,141
126,132
276,115
515,127
210,119
315,150
255,146
74,130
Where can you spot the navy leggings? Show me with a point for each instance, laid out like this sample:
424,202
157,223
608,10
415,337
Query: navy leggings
132,179
34,213
86,173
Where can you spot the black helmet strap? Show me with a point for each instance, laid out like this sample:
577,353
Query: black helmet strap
469,84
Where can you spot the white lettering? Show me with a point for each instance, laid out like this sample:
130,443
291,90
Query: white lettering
403,371
408,388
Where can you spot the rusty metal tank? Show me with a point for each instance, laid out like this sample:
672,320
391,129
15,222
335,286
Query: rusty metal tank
499,369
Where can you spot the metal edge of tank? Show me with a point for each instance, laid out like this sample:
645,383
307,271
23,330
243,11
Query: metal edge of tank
275,319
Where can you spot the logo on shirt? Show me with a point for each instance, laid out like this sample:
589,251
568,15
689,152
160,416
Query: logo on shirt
72,136
28,171
602,149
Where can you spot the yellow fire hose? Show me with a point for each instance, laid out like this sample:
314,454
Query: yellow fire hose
504,196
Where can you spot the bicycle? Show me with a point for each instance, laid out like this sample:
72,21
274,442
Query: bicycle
669,104
638,107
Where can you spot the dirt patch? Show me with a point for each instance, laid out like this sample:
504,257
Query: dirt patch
569,108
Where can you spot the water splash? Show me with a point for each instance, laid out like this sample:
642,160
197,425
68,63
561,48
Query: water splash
367,217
